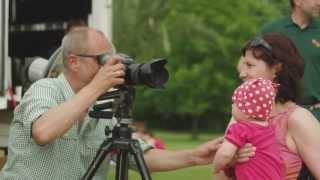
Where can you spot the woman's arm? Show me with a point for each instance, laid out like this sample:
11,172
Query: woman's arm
305,131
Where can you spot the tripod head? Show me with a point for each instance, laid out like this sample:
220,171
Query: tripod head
152,74
120,108
121,140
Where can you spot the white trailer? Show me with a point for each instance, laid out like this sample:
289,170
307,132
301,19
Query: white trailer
34,28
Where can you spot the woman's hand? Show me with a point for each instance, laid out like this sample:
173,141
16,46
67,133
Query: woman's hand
244,154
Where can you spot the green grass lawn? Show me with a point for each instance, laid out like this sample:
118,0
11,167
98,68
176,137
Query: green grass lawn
175,141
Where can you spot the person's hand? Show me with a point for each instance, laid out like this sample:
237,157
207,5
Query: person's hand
110,74
204,153
244,154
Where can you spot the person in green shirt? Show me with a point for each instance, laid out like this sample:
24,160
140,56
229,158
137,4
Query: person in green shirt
52,137
303,27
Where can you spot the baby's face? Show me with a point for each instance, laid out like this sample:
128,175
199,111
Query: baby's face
238,114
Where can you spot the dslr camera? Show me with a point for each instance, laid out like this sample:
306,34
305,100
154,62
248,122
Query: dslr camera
152,74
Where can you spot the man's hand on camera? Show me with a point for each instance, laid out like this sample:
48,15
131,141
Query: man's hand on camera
110,74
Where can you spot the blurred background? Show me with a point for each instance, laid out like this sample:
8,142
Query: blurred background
201,39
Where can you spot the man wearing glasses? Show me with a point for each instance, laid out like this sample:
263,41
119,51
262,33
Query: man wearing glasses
51,135
304,29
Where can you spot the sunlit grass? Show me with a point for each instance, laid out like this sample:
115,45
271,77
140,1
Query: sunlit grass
176,141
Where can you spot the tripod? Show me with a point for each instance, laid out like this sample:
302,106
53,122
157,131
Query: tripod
121,141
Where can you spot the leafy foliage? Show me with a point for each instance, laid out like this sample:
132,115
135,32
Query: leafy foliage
202,40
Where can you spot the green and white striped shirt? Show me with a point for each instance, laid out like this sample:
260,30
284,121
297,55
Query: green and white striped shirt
67,157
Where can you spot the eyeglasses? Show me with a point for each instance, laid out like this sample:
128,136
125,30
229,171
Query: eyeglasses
101,58
259,42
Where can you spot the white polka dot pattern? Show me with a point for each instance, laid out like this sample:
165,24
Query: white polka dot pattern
255,97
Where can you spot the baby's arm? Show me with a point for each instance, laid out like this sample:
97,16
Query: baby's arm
224,155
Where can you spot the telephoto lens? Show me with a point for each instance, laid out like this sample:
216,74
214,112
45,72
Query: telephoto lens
152,74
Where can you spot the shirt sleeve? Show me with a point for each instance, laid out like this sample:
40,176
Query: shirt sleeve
237,134
144,145
37,100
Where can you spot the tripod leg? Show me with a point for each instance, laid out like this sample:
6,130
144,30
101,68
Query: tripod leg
122,165
103,150
138,156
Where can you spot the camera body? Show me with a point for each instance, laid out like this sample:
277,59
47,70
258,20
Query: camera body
152,74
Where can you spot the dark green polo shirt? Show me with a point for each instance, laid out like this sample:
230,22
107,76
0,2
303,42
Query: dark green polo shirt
307,41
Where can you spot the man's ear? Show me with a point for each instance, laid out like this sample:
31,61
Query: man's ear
73,63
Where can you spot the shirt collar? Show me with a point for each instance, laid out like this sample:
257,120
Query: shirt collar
67,90
289,22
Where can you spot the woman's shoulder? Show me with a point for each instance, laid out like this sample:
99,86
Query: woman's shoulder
300,116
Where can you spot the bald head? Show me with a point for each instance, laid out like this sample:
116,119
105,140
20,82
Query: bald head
83,40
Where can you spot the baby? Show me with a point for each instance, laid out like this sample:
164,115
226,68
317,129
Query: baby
251,108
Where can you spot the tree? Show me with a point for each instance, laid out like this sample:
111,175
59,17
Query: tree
202,40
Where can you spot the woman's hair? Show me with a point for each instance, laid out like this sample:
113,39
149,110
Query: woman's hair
291,4
282,53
